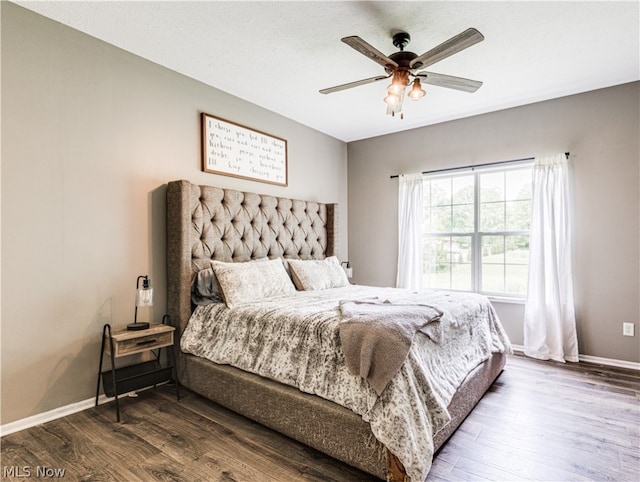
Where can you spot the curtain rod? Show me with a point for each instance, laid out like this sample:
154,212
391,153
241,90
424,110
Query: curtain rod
479,165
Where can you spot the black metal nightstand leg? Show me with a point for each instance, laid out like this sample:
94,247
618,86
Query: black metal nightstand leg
113,375
166,321
104,330
175,371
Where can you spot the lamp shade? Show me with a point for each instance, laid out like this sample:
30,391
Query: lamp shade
392,99
144,295
416,92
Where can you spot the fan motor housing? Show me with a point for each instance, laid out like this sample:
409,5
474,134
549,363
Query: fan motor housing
403,59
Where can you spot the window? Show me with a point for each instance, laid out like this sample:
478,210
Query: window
476,230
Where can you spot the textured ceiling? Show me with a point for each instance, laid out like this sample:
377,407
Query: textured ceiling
279,54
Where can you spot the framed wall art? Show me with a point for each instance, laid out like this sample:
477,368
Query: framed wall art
234,150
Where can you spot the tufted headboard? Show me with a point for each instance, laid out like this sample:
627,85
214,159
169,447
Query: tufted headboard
206,223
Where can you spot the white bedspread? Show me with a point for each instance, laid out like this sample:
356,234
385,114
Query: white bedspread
295,340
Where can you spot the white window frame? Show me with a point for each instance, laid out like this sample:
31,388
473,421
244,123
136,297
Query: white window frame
477,235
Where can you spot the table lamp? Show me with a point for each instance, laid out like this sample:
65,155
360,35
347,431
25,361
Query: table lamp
144,297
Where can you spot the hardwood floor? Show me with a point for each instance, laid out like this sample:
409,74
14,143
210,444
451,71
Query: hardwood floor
548,421
539,421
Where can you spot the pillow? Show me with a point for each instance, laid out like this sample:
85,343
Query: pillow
205,289
246,282
314,274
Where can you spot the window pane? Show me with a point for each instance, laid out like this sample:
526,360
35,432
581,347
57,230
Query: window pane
518,215
433,261
441,279
448,262
440,219
516,279
492,187
492,249
463,190
461,256
518,184
492,217
505,264
493,277
439,251
461,249
517,250
440,192
438,260
461,277
449,205
492,263
462,221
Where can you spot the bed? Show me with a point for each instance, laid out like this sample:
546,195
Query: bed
227,230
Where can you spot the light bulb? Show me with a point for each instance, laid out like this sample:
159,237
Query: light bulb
392,99
395,88
399,83
144,297
416,92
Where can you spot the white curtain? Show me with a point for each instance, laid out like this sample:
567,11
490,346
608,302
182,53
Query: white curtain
410,231
549,317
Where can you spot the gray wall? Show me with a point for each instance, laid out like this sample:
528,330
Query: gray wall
90,137
599,128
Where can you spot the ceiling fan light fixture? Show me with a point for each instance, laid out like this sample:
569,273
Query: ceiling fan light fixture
392,99
395,89
399,82
416,92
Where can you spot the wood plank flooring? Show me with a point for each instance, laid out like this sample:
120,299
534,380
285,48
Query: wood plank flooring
540,421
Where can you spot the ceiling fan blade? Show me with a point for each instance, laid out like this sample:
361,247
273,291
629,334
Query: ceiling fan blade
367,50
449,81
449,47
354,84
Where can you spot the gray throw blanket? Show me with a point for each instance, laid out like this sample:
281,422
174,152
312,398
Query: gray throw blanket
376,336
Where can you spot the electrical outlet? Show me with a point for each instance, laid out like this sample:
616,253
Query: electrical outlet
627,329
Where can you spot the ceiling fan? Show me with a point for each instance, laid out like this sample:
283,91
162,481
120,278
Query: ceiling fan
402,68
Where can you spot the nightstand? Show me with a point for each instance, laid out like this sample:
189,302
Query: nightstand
116,344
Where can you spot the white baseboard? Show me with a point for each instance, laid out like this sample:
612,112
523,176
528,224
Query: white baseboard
54,414
595,359
610,362
60,412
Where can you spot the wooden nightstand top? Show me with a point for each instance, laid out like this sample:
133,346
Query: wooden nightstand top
128,342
